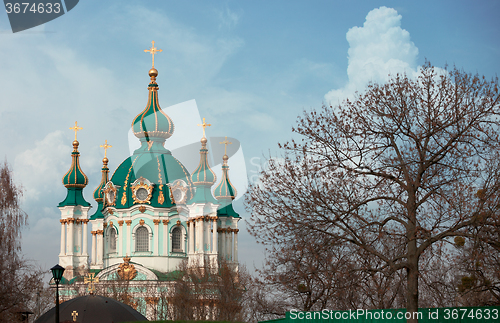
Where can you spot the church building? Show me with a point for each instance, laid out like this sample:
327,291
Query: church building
151,214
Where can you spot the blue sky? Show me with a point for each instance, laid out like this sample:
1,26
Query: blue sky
252,67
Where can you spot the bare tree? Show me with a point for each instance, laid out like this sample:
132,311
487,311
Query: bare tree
402,161
209,292
479,260
17,276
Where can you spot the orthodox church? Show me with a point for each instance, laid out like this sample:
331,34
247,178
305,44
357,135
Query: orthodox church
152,213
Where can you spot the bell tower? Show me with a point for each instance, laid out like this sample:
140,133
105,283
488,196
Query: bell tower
74,217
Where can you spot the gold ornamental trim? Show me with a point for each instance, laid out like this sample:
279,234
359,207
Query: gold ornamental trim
126,270
120,223
128,222
156,221
141,222
142,183
165,222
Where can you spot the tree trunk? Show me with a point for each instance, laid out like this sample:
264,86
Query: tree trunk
412,278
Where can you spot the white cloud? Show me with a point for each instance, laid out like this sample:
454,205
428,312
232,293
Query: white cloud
379,48
227,18
40,169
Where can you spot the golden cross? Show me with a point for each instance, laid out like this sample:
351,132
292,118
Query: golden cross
91,280
76,128
74,314
105,146
153,50
204,125
225,142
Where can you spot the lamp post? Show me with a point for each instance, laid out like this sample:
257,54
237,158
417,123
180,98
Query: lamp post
57,273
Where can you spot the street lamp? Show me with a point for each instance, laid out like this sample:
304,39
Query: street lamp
57,273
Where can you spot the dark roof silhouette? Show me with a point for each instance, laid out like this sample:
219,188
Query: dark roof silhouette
93,309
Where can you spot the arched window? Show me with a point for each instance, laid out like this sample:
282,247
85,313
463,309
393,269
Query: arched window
112,240
176,239
142,239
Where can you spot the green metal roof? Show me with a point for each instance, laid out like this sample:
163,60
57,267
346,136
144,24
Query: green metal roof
152,122
154,163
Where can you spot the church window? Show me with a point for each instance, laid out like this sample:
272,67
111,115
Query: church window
112,240
142,239
176,239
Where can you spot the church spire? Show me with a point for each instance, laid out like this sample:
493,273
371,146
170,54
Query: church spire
153,124
75,179
203,176
225,192
98,194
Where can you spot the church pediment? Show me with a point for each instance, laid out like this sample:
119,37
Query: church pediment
126,271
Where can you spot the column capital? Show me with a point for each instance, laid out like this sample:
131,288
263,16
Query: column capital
85,221
120,223
156,221
104,225
101,232
236,231
70,220
63,221
128,222
93,232
165,222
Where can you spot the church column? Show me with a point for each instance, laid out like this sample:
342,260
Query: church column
165,237
156,236
100,247
190,237
223,243
85,237
63,237
230,244
197,235
119,247
235,254
70,240
78,237
214,236
129,236
203,228
94,248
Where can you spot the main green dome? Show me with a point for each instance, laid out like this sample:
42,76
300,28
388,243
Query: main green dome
152,161
156,165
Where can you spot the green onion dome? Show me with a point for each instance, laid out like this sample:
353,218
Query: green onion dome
75,176
98,194
75,180
225,190
203,174
152,122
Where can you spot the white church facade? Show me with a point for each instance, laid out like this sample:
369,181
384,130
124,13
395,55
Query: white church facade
152,212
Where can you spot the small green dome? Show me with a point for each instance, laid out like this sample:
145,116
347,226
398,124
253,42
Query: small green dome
225,189
98,194
75,180
75,177
203,175
152,122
